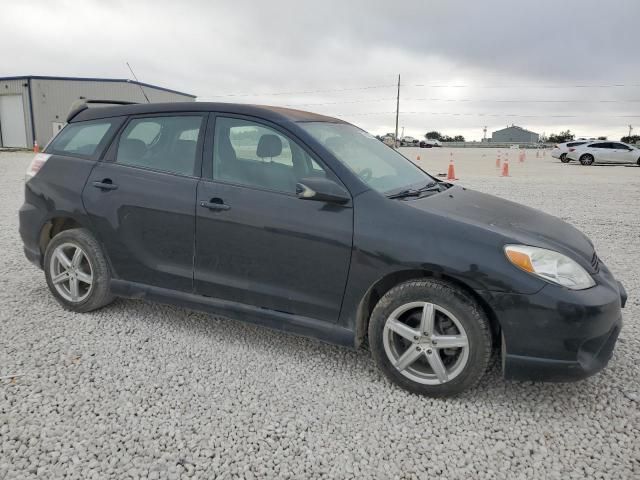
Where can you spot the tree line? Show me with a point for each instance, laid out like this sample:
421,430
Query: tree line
443,138
567,136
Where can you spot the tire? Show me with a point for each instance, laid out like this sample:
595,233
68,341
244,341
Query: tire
563,158
455,318
586,159
638,162
87,270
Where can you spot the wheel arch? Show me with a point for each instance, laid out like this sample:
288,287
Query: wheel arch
58,222
386,283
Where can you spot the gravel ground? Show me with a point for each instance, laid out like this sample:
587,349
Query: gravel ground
139,390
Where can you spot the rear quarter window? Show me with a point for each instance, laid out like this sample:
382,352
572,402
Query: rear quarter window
83,139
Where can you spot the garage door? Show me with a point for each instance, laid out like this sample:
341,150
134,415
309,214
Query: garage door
12,125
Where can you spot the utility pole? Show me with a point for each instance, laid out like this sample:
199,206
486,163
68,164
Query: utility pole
395,140
630,130
485,133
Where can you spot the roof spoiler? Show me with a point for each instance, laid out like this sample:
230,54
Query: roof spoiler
82,104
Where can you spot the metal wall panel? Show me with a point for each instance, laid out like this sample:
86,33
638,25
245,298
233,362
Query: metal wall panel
52,99
514,135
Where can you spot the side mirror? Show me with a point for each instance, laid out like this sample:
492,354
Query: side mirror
321,189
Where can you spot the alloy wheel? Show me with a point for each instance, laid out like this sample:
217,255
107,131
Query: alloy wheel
586,159
71,272
426,343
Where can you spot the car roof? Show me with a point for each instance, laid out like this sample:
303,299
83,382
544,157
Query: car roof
276,114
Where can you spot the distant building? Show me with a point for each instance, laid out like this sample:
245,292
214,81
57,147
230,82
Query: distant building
514,134
34,108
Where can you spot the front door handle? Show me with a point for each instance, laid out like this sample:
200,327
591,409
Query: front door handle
105,184
215,204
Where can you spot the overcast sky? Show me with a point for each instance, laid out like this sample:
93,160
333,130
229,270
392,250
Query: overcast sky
545,65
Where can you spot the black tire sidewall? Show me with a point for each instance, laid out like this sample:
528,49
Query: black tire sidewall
563,158
462,306
100,294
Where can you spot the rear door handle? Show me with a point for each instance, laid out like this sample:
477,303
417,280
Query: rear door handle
215,204
105,184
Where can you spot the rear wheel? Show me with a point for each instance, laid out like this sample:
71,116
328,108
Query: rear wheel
430,338
638,162
586,159
563,158
77,272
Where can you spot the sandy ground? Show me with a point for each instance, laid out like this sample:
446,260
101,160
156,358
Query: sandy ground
139,390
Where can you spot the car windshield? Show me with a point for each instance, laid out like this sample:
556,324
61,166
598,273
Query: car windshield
378,165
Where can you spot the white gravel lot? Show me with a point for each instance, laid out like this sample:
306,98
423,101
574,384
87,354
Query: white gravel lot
139,390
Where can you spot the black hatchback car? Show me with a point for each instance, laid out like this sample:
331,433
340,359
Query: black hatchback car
307,224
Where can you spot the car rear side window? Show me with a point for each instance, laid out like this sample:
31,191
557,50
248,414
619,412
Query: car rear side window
161,143
82,139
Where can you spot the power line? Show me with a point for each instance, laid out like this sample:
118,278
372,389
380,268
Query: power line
423,85
482,114
611,85
307,92
339,103
471,100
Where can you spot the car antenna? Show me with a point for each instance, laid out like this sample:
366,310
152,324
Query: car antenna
134,76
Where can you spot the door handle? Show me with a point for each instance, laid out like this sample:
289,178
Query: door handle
215,204
105,184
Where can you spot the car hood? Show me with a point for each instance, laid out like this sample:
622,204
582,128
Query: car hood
515,223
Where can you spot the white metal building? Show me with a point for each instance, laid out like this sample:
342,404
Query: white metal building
36,107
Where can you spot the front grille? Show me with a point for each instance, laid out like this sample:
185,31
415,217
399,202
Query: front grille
595,261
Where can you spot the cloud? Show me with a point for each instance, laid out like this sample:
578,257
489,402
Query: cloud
517,51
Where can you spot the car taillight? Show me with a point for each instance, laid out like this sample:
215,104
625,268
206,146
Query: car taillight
36,164
572,149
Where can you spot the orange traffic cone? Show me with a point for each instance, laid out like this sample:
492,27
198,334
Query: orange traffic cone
36,148
537,153
498,161
418,158
451,174
505,168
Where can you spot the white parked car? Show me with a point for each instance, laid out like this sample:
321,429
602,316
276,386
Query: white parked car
561,150
605,152
409,141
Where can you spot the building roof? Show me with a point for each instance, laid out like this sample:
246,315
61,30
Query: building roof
268,112
516,127
90,79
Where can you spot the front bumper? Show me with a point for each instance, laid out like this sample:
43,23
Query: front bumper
559,334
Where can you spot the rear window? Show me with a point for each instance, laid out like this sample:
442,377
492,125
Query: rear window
82,139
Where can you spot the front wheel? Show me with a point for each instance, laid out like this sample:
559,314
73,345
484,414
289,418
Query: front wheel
586,159
430,338
77,272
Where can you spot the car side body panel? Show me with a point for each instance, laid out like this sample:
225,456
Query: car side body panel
56,192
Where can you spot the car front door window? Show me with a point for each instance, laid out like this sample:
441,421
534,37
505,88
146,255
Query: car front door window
251,154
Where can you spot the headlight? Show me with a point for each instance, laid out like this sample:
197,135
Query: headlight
549,265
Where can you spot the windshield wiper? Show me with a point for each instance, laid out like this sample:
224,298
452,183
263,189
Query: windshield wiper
413,192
